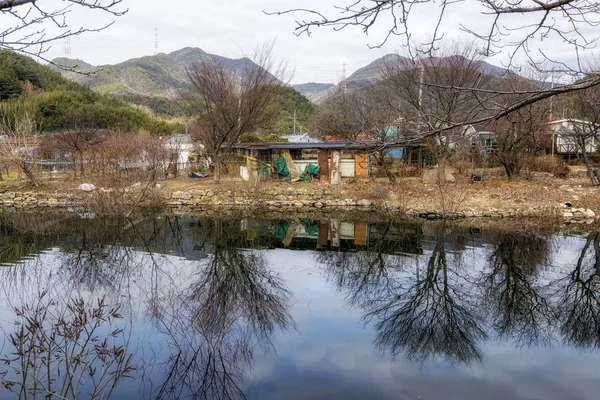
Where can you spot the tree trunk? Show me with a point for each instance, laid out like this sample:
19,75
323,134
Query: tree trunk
29,174
81,168
441,169
508,169
442,156
217,166
590,170
381,161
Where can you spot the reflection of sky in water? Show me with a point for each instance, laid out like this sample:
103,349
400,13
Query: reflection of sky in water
330,354
333,357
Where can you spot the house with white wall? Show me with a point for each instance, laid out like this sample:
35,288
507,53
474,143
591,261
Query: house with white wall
565,135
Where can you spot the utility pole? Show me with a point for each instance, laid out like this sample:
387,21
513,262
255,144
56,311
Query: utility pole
345,87
294,121
552,97
421,79
239,121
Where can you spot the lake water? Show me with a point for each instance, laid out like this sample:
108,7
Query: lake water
310,308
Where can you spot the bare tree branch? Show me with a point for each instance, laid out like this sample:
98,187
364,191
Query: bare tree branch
30,27
514,29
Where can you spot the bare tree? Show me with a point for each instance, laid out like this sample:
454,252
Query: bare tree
79,142
18,145
363,116
521,132
582,130
30,26
428,92
506,29
227,105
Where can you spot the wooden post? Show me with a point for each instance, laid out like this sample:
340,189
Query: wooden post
334,231
360,234
334,167
323,238
361,165
323,167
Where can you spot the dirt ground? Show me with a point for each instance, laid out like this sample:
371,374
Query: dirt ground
537,191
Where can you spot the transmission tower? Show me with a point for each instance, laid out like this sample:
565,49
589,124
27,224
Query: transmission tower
67,47
155,40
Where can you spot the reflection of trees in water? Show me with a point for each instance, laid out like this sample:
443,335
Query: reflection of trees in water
579,297
429,315
236,302
421,314
94,255
515,302
365,274
23,235
236,305
211,326
441,310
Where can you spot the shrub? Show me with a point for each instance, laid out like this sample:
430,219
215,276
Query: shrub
547,163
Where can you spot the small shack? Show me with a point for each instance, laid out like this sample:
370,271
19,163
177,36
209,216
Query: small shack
334,158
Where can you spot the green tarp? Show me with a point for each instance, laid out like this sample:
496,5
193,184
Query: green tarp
282,168
311,169
262,169
281,230
311,228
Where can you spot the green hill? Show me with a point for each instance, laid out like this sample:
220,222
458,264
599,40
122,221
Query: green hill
288,102
58,103
161,75
154,82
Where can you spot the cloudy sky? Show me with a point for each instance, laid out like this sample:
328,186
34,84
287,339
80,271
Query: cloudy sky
232,28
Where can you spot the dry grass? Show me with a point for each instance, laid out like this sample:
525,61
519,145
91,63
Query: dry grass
538,192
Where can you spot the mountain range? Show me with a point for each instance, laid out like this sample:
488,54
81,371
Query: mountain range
162,75
159,75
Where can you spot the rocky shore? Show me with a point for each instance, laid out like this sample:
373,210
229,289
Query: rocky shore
284,198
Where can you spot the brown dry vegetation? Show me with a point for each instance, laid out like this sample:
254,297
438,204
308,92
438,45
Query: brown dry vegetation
540,192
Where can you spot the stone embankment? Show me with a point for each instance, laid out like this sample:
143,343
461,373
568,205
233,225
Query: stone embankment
286,199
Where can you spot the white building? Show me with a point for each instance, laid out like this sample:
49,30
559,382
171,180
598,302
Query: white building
182,145
566,133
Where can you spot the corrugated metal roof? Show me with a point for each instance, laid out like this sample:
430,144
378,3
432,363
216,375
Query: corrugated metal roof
309,146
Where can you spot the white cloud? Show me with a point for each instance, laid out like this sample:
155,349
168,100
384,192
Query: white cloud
233,28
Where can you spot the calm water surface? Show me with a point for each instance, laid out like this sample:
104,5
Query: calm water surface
327,308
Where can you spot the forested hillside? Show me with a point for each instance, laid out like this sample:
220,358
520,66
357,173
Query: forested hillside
154,82
286,103
56,102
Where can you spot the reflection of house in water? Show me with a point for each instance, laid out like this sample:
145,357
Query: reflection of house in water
385,237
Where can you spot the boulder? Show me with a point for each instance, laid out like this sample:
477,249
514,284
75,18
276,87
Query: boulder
431,176
590,214
86,187
364,203
181,195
